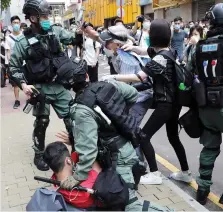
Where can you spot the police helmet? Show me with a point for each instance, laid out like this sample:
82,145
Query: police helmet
75,74
36,7
215,15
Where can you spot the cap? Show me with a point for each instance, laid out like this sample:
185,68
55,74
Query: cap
115,33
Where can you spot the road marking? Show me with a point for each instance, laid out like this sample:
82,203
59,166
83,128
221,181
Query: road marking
214,198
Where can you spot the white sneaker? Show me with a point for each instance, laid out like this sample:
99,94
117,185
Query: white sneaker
182,176
152,178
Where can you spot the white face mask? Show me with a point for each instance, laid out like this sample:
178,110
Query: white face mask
146,25
108,52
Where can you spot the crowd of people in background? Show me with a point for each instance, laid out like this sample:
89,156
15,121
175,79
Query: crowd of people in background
131,60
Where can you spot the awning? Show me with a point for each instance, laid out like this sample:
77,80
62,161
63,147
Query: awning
159,4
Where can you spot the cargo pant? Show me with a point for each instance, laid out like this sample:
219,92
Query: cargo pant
59,98
126,159
211,139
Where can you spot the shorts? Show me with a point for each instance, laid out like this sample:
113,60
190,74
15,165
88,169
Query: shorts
13,83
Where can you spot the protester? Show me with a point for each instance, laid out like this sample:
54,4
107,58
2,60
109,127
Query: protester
142,35
23,26
191,24
178,37
125,63
59,159
91,56
10,42
166,110
196,33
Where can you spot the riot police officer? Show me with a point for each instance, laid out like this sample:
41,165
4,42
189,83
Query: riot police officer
40,48
209,95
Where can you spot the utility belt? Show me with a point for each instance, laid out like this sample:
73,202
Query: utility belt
209,96
108,151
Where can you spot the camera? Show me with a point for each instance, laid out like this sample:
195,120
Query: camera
140,18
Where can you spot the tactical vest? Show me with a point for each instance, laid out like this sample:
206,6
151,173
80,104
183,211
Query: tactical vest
209,62
39,62
112,103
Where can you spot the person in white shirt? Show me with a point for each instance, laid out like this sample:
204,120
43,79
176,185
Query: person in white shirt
91,55
142,36
9,44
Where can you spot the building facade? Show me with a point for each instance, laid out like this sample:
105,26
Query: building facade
104,12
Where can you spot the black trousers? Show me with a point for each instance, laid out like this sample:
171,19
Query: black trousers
93,73
165,113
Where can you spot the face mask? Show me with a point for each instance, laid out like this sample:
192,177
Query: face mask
146,25
177,27
109,53
45,24
16,27
186,30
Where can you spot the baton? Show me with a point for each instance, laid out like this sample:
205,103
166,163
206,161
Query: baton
56,182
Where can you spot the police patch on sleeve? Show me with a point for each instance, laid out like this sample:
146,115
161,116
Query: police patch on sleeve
209,48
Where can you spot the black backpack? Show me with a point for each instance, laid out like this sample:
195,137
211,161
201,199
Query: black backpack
182,76
111,191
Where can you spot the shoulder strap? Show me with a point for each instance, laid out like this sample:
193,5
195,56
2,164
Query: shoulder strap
140,37
13,38
94,44
168,54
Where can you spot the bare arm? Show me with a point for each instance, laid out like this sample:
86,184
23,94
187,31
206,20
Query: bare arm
8,54
137,49
97,51
127,78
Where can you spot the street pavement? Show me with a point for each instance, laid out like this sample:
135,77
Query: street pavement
18,170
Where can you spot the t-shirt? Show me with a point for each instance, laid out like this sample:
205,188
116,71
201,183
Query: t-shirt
9,43
144,41
177,42
89,51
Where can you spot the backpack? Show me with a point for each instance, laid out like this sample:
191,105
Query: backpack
191,123
111,191
184,78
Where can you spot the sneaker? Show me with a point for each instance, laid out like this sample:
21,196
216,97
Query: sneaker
152,178
104,57
182,176
17,104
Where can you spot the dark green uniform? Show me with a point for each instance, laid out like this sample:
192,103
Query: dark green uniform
209,95
56,95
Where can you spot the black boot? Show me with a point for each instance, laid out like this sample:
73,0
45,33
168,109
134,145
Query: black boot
202,196
221,199
39,162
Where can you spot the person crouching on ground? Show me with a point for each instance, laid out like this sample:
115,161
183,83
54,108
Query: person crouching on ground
59,159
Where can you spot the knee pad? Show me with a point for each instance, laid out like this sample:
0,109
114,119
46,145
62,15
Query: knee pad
42,122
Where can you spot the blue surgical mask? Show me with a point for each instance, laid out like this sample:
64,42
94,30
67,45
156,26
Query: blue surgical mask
16,27
177,27
45,24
